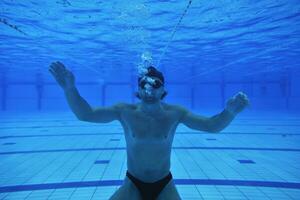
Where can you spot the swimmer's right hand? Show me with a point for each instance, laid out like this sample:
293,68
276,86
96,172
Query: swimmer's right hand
63,76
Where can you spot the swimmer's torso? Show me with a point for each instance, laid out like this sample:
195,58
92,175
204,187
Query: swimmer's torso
149,141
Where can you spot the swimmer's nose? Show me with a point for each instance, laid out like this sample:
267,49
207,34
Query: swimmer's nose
148,87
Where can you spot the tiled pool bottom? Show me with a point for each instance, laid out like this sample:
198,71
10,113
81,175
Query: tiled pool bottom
56,156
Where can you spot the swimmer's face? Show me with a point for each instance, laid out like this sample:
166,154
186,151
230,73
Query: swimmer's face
151,91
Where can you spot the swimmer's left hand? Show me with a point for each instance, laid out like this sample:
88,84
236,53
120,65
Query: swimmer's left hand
237,103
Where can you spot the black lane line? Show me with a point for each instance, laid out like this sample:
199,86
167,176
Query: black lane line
47,186
121,133
124,148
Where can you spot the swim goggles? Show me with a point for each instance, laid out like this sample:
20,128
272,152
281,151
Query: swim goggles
155,83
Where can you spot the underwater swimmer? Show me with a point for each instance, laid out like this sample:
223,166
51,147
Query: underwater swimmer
149,128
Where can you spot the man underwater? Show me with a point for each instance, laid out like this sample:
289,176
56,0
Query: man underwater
149,128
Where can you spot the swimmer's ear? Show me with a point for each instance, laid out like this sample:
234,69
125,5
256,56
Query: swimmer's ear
137,95
163,95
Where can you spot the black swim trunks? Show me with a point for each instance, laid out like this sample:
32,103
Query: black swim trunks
150,191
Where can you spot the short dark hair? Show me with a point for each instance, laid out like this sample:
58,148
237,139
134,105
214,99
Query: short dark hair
153,72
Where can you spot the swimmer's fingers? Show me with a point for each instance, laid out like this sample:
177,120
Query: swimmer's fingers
230,101
240,95
58,78
54,73
53,70
58,72
242,98
58,67
242,102
54,67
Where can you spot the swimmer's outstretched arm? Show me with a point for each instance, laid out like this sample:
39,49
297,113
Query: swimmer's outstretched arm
217,122
85,112
78,105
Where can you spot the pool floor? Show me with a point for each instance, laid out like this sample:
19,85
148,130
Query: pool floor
55,156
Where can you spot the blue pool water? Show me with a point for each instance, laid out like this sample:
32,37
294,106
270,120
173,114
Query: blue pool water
207,51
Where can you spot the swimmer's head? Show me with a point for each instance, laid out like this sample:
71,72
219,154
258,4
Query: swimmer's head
151,85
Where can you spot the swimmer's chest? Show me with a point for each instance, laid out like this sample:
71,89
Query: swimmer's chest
142,126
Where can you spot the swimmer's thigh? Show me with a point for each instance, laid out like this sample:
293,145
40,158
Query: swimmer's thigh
169,192
127,191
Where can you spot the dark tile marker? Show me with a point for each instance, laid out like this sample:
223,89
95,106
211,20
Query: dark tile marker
101,162
211,139
246,161
9,143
